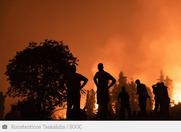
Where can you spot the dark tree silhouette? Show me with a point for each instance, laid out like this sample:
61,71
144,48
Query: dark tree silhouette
2,100
37,72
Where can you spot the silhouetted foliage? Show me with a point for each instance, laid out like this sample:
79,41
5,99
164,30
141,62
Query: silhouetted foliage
36,73
2,100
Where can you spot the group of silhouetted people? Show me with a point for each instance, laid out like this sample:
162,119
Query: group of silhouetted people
101,80
161,99
73,83
123,98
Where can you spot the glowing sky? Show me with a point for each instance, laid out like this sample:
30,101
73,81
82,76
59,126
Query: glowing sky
138,37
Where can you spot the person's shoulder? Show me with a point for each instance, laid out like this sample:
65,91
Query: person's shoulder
97,73
107,74
7,114
120,93
143,85
165,87
69,74
124,92
79,75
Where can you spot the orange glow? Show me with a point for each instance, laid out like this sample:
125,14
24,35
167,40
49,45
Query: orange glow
135,37
96,106
177,94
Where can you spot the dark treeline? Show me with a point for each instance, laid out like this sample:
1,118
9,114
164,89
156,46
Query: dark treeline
38,76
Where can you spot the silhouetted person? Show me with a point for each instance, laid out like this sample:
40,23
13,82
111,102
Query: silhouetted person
2,100
101,80
13,114
142,96
166,100
158,95
161,98
124,96
73,83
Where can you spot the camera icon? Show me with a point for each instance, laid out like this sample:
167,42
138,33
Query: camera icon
4,126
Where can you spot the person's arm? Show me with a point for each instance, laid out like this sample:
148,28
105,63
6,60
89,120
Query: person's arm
113,81
95,80
128,95
137,92
85,81
119,99
153,86
147,92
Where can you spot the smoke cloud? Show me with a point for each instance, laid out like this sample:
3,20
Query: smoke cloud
149,40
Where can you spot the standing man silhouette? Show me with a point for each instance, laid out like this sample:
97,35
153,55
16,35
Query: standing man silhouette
157,91
143,95
166,100
73,83
124,96
101,79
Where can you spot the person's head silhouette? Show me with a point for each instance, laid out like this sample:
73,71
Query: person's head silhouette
73,68
162,84
123,88
137,81
100,67
158,84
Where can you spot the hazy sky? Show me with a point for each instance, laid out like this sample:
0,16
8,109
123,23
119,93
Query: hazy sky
138,37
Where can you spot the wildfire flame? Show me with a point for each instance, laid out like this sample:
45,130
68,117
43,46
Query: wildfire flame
96,106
